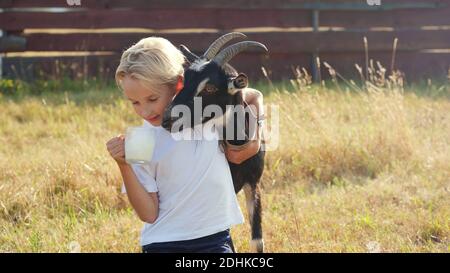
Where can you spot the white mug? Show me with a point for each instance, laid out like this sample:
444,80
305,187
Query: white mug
139,144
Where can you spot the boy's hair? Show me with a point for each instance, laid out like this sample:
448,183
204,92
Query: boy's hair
153,60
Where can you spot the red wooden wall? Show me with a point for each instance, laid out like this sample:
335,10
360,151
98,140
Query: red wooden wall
293,30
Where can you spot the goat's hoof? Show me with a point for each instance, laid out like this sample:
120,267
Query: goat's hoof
257,245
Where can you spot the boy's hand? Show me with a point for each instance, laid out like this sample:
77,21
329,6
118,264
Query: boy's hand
254,98
116,148
239,156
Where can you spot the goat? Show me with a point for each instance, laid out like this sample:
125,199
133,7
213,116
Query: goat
211,78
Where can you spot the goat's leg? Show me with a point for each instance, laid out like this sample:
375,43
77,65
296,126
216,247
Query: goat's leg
252,196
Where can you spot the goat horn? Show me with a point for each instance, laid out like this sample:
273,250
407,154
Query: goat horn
188,54
229,52
215,47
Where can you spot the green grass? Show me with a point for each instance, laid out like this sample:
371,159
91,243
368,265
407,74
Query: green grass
354,171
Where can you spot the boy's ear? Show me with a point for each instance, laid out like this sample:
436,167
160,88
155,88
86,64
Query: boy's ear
238,83
179,85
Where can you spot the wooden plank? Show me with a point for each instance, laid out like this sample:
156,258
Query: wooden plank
277,42
12,43
28,68
277,65
225,4
416,66
341,41
222,19
393,18
156,19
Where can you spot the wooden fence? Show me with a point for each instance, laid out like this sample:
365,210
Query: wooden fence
295,31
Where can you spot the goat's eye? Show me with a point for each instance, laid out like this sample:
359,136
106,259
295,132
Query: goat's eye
210,88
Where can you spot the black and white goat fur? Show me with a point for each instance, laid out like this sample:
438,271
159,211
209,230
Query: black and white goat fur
211,77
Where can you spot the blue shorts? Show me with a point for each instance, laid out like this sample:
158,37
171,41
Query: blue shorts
216,243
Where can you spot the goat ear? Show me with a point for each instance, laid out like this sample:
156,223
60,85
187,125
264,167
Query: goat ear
191,57
238,83
241,81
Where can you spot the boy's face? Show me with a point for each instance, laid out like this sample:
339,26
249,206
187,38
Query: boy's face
148,104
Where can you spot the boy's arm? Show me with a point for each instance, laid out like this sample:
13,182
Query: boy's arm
146,204
254,98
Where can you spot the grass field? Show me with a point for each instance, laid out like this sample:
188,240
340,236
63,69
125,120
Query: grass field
356,171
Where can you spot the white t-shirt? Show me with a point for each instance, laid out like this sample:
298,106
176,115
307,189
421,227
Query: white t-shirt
195,189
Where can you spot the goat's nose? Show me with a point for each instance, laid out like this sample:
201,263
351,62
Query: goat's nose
167,119
166,124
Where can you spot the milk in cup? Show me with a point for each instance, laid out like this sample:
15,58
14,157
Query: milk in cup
139,145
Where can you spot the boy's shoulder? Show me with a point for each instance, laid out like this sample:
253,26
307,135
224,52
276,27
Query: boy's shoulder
249,92
252,96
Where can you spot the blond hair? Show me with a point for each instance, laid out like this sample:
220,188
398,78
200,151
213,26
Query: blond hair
153,60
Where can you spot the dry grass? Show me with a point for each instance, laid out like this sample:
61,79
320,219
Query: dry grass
355,172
